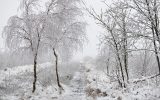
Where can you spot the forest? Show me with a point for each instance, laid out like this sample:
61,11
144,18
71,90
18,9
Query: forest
39,62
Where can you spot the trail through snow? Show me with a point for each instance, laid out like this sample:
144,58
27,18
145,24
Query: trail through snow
76,89
87,77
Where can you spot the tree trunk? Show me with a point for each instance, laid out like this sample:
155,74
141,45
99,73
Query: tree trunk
118,58
125,47
57,75
35,73
154,27
118,76
121,69
35,62
126,64
108,64
156,52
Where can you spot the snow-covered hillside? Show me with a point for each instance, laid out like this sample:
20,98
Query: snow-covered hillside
87,83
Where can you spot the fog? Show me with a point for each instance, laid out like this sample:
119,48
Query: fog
9,8
79,50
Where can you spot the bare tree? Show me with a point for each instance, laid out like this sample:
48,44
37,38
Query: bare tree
148,10
25,33
115,19
62,30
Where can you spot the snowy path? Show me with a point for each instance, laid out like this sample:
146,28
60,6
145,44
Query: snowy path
73,91
87,77
76,89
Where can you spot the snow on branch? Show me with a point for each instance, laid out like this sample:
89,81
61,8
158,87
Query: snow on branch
144,78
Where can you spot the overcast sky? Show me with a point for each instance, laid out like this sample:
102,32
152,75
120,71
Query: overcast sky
9,8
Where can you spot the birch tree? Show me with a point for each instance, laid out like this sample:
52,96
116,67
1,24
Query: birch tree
64,33
115,20
25,33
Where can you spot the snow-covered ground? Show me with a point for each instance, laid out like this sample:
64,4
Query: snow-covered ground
97,79
87,83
